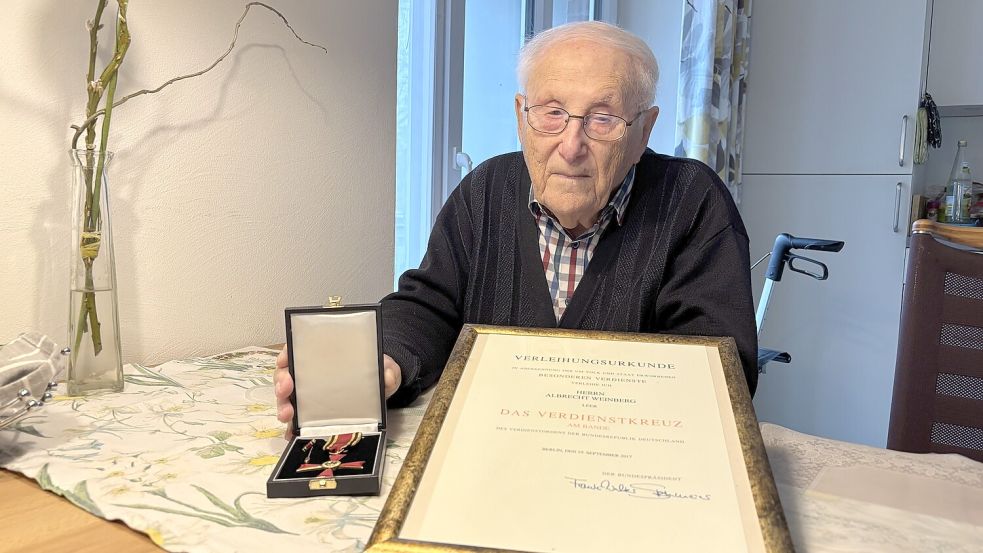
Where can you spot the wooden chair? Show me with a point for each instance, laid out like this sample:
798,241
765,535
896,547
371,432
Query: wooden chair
938,382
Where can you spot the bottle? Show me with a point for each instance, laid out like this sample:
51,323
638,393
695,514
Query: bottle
959,190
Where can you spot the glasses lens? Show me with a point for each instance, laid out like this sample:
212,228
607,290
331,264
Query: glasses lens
601,126
547,119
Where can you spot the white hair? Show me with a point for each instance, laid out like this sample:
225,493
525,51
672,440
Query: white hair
645,69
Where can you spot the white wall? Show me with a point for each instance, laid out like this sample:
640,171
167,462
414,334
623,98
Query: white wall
266,183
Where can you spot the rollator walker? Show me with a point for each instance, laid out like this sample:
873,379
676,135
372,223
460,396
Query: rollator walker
781,254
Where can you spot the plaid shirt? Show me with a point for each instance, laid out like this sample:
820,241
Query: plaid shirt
565,259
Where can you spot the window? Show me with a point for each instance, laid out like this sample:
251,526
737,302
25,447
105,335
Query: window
489,84
415,78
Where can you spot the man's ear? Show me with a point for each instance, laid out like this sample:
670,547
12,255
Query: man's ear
648,121
651,115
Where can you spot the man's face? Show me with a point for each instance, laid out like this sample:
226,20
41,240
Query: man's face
573,175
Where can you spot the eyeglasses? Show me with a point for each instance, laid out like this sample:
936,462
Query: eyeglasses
599,126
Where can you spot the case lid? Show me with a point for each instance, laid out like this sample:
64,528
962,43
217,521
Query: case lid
335,358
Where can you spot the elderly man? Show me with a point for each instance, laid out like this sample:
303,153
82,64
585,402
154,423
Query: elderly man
585,228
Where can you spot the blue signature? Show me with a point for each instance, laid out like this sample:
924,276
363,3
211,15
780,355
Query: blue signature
641,490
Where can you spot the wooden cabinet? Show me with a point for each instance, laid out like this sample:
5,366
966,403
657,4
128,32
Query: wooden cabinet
842,332
955,65
830,84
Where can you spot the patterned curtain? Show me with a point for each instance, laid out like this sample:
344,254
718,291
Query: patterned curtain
713,78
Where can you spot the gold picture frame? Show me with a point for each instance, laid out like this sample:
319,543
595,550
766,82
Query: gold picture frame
774,534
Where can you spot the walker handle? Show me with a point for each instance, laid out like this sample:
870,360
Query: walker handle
816,244
821,274
784,243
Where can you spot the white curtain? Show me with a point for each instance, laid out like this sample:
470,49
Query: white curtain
713,85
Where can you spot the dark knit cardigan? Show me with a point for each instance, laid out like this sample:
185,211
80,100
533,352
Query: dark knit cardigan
679,264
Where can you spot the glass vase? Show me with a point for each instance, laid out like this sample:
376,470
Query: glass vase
95,364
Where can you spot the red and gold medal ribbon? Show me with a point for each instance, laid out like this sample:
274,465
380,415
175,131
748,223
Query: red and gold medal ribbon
338,442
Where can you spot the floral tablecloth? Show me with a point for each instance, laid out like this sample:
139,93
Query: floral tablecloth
184,452
183,455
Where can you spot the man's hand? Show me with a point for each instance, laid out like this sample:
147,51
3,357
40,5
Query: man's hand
283,385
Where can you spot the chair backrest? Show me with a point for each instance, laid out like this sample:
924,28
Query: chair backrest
938,382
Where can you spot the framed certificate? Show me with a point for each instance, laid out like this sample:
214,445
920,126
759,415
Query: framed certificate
562,440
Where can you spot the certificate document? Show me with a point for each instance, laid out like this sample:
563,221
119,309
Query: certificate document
564,443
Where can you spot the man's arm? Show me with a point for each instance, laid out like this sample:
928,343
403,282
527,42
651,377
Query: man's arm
421,320
708,293
707,286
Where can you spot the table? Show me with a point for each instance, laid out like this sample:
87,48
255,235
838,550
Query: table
25,514
183,454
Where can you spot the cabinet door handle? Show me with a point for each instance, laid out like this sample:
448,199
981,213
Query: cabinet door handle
904,131
897,207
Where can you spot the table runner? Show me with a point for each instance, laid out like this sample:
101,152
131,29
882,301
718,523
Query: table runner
183,454
844,497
